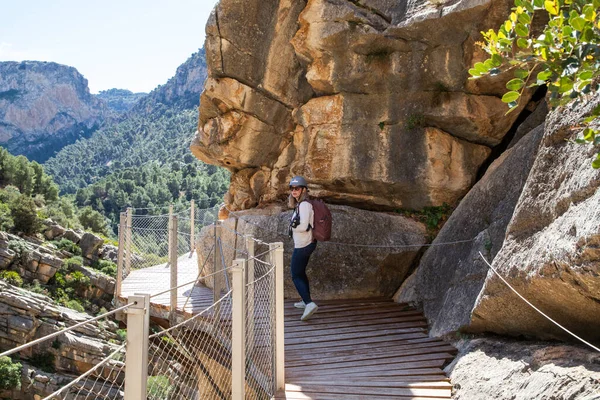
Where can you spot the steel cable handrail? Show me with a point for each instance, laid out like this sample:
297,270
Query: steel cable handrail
52,335
86,374
535,308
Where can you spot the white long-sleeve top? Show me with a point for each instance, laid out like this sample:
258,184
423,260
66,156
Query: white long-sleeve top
301,234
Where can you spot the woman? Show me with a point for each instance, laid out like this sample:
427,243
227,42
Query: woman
304,244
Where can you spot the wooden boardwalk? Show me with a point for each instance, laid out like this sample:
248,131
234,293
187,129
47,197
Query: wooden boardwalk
363,349
156,279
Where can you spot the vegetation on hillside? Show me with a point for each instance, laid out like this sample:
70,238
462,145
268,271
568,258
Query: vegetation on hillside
565,56
142,162
28,195
120,100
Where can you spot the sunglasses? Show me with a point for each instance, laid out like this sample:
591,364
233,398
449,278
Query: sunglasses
293,188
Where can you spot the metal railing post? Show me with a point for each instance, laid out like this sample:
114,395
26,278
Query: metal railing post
173,269
170,238
119,284
128,239
238,327
277,257
217,277
136,358
192,234
250,291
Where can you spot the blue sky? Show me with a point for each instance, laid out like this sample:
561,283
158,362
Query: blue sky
126,44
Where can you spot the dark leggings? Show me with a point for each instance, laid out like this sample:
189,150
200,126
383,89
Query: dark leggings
300,259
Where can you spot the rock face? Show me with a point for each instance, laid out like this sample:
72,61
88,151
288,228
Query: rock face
336,269
367,99
503,370
181,91
450,277
551,253
25,316
120,100
45,106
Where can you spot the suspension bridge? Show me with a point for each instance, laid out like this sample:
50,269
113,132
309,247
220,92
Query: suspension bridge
206,325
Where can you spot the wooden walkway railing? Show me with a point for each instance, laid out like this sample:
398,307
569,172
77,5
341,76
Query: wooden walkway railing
363,349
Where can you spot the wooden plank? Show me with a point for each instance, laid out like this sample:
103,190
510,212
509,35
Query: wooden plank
415,334
323,355
319,317
332,396
385,391
391,353
353,364
390,383
390,369
359,326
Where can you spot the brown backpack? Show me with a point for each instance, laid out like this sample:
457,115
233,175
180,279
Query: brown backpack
322,220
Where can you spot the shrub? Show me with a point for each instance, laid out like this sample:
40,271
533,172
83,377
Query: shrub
35,287
74,305
93,220
12,277
24,214
6,221
77,280
43,361
106,267
66,244
10,374
159,387
122,334
70,263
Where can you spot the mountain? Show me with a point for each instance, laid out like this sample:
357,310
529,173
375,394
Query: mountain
182,91
143,160
120,100
45,106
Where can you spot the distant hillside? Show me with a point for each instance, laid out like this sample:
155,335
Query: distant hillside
120,100
45,106
181,91
144,159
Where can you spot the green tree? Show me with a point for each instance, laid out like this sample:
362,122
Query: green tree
10,374
24,215
565,56
93,220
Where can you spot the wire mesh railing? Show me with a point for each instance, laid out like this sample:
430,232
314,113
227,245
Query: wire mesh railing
203,354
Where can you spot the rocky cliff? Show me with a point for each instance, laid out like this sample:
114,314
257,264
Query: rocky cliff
45,106
368,99
182,91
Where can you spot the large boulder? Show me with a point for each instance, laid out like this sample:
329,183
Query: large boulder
369,255
90,244
502,369
551,253
450,277
376,109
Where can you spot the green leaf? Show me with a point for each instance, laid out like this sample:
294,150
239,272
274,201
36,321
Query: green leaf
496,60
473,72
585,75
522,43
522,30
509,97
481,68
515,84
596,162
524,18
538,3
578,23
588,134
588,35
521,73
551,7
566,84
544,75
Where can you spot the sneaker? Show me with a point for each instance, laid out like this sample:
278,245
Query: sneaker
310,309
299,304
